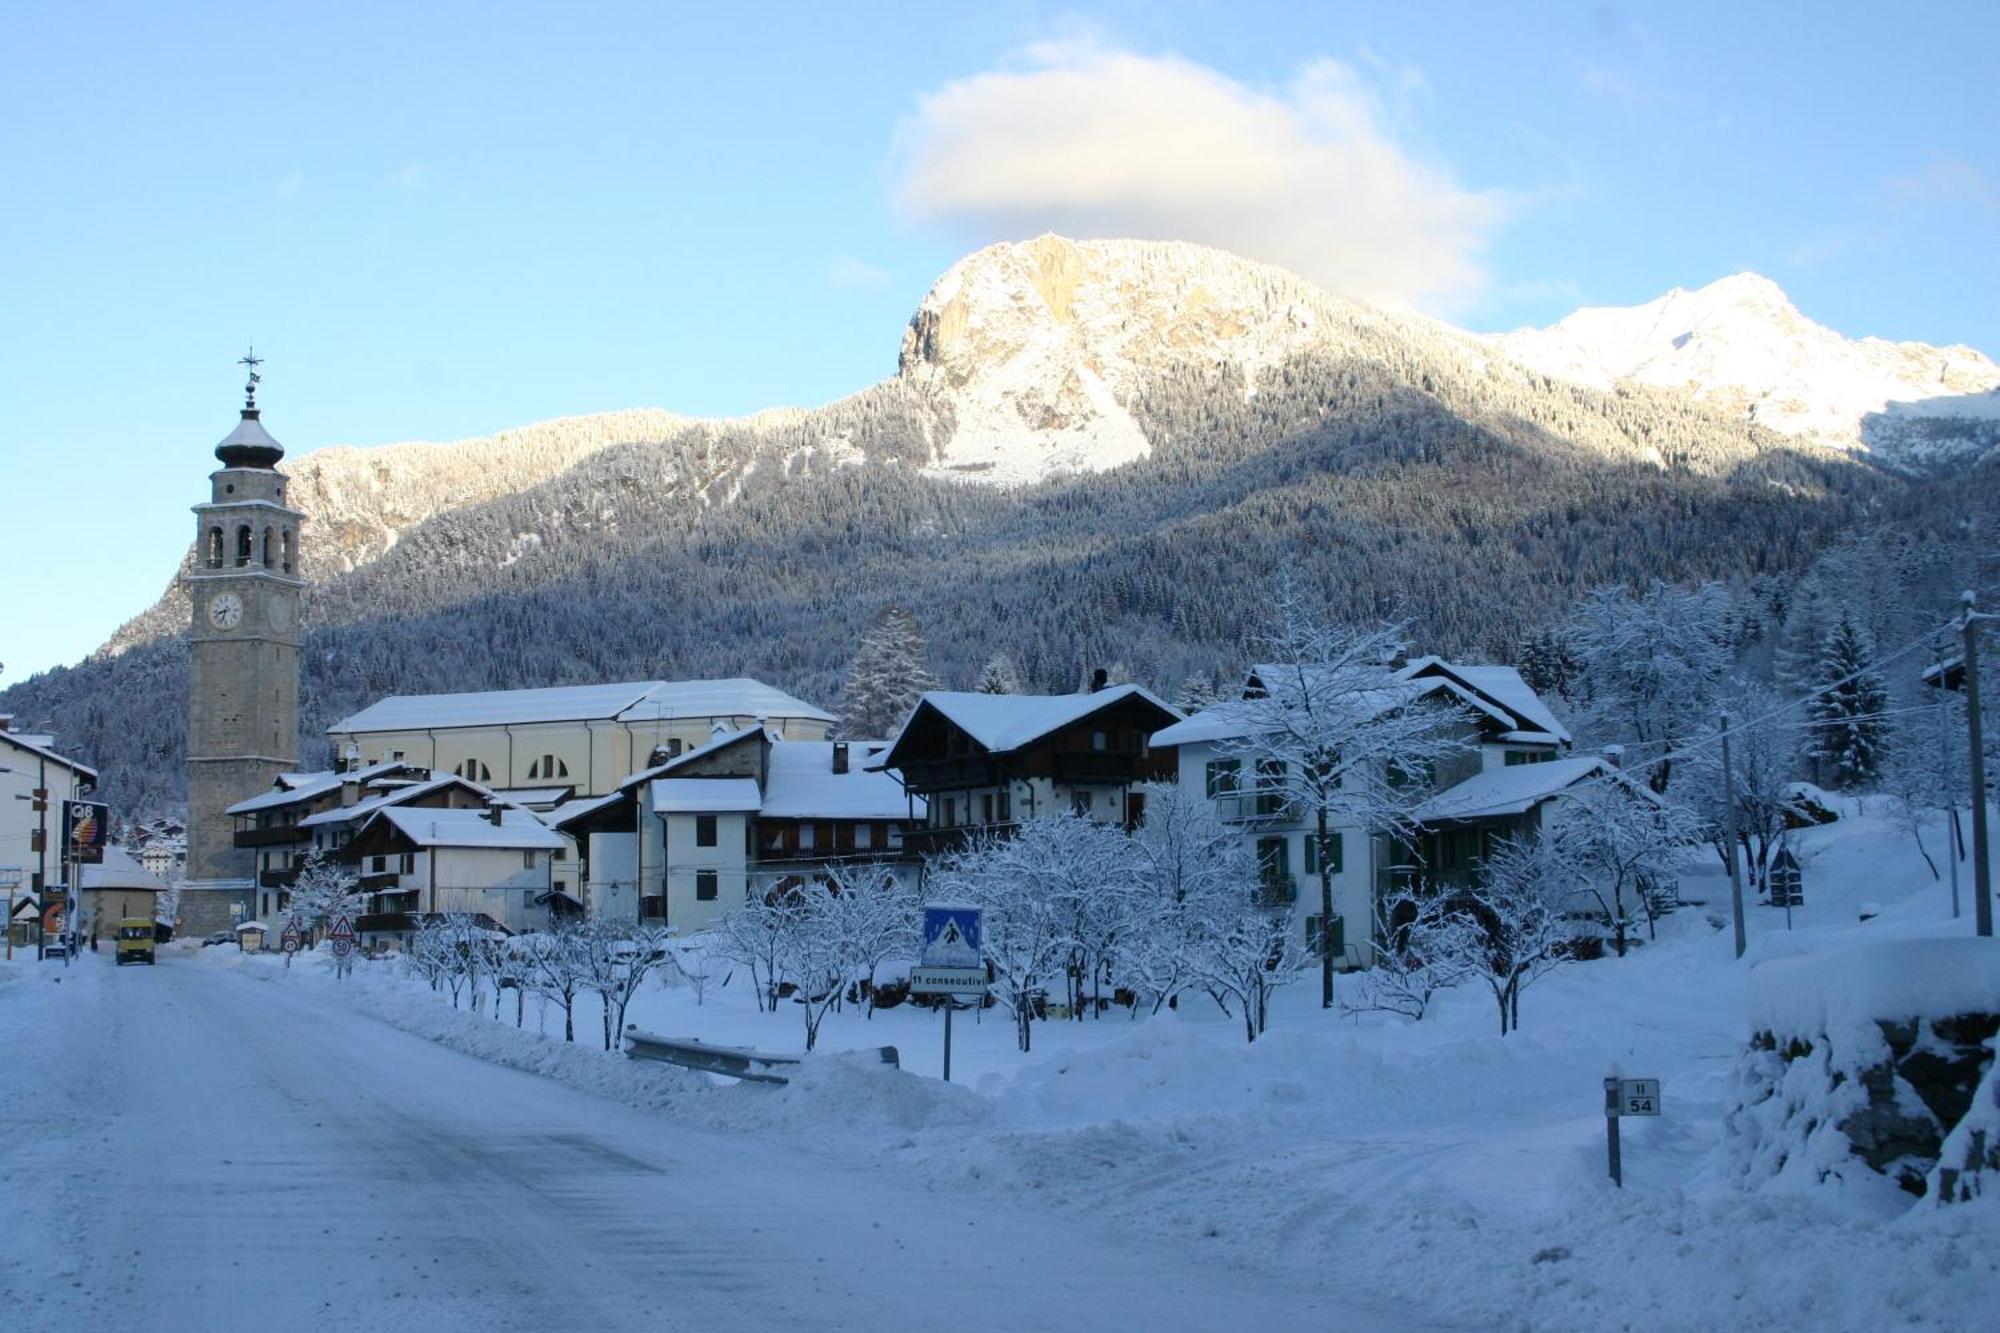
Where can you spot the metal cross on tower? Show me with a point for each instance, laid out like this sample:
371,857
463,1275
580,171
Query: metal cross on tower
252,361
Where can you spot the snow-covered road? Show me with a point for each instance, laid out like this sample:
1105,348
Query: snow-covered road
190,1147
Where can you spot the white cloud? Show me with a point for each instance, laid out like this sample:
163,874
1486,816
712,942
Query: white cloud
1090,140
850,274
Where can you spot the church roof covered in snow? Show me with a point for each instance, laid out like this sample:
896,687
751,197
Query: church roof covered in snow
643,701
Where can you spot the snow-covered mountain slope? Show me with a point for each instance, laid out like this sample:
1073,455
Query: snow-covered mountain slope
1739,345
1038,351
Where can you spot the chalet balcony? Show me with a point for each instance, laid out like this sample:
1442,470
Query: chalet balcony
278,879
1277,891
951,774
277,835
936,841
379,881
1101,766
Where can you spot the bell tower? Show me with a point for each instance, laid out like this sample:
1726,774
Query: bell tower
243,678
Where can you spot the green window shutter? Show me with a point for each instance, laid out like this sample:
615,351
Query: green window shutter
1312,854
1336,854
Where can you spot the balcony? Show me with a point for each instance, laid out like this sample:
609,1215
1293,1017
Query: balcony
278,879
950,774
935,841
1101,766
379,881
277,835
1267,807
1277,891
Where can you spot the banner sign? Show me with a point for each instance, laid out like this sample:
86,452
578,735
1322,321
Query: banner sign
85,827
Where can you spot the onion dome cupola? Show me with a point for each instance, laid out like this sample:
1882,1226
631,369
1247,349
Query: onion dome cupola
250,445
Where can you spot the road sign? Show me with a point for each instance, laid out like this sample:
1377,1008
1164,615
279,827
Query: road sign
928,980
10,877
951,936
289,941
343,936
1638,1096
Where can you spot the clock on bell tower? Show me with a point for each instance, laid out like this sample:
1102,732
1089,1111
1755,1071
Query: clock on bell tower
243,678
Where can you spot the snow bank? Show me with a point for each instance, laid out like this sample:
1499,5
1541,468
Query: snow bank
1808,995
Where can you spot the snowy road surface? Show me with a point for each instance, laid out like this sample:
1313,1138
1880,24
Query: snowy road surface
187,1147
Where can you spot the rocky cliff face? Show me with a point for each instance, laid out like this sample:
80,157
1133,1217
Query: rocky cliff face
1740,346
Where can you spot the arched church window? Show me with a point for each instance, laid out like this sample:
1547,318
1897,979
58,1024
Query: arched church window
215,548
287,539
548,766
243,544
267,548
474,771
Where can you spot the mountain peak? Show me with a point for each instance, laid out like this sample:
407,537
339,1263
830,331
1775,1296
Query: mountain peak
1740,345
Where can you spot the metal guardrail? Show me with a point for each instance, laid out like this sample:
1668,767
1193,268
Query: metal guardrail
734,1061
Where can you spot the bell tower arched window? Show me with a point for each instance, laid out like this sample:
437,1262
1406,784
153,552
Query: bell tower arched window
243,544
215,548
268,552
287,541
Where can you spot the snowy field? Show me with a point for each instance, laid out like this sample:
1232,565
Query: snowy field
1361,1172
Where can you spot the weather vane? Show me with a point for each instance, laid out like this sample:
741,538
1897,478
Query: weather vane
252,361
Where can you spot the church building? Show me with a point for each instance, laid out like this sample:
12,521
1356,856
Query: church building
243,679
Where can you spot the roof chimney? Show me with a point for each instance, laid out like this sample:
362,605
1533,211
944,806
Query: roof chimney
493,815
840,756
6,721
1099,679
350,757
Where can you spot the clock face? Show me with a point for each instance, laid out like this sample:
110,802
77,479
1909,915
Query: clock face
225,610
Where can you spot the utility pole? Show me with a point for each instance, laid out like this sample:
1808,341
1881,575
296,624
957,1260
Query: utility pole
1944,783
1729,819
1982,871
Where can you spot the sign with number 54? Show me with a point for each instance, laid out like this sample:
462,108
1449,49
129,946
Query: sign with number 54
1638,1096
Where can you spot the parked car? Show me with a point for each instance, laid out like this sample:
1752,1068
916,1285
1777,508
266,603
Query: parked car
219,937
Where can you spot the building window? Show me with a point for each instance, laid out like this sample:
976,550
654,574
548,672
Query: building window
704,830
1315,937
1515,758
287,542
986,807
704,886
409,863
1335,855
528,859
1274,869
1223,777
948,812
548,766
1100,741
1270,786
864,837
378,864
1079,804
215,548
1006,805
474,771
806,836
268,552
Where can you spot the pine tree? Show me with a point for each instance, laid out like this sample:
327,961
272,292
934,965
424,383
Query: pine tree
889,674
998,676
1849,732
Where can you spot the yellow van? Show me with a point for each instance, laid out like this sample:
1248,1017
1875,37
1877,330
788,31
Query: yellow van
135,940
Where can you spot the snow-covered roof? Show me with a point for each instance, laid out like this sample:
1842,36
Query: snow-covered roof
120,870
644,700
803,785
360,810
1510,790
584,805
297,787
1003,722
1233,719
722,740
251,925
38,746
469,828
706,796
532,795
1503,685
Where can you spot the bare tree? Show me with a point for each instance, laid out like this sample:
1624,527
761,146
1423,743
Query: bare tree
1764,752
1508,927
1617,839
1420,950
558,969
697,961
1333,730
1649,664
749,935
1032,887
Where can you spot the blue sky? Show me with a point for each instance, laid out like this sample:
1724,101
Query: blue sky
438,220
